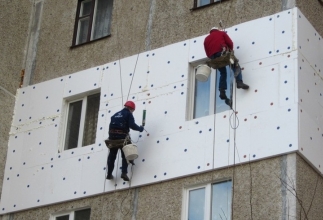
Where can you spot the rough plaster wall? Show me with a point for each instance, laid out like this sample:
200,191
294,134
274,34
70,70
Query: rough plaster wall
257,188
14,27
309,187
31,45
7,103
55,57
13,36
313,11
131,29
164,200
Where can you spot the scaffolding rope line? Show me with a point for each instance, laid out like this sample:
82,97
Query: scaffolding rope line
222,25
131,207
234,128
122,101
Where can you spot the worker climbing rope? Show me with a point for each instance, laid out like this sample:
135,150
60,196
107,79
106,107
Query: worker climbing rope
119,128
218,47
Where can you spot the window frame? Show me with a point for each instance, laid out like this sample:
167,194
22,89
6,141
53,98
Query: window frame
92,17
66,107
212,2
191,93
190,110
207,199
71,213
218,105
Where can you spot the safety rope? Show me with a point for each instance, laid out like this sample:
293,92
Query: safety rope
234,146
124,214
133,75
120,76
222,25
234,128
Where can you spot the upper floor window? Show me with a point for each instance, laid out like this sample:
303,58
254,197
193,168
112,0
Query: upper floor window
93,19
199,3
204,96
209,201
82,118
83,214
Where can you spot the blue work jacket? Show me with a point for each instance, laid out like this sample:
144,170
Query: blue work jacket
120,124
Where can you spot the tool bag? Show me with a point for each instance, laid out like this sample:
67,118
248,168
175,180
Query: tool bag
120,143
226,58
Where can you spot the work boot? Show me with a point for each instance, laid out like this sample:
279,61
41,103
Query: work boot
109,177
222,94
241,85
228,102
124,177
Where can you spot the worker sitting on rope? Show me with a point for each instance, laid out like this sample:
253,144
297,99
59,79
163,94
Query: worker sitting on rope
119,130
215,44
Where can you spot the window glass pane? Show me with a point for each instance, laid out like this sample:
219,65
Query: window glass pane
86,7
102,19
65,217
83,30
220,104
73,125
206,95
203,2
82,214
91,119
196,205
202,98
221,200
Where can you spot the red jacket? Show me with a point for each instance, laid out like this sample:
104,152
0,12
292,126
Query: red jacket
214,42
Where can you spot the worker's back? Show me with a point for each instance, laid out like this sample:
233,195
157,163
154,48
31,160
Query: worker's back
215,42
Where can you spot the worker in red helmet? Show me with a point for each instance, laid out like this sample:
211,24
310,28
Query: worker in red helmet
119,128
214,44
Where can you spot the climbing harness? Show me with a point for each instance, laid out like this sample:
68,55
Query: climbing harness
117,143
226,58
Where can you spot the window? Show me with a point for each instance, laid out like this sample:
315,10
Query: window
204,96
210,201
82,118
200,3
93,19
83,214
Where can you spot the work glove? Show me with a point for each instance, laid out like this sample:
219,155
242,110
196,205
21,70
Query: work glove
141,129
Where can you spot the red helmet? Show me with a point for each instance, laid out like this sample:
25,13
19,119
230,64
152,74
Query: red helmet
130,104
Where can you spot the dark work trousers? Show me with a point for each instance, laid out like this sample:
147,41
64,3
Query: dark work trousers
223,73
112,157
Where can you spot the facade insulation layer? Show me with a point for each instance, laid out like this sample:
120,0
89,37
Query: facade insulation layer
280,113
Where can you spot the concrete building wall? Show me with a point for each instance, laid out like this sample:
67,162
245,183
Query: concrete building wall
13,37
313,11
262,190
258,194
33,157
148,24
309,191
55,58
